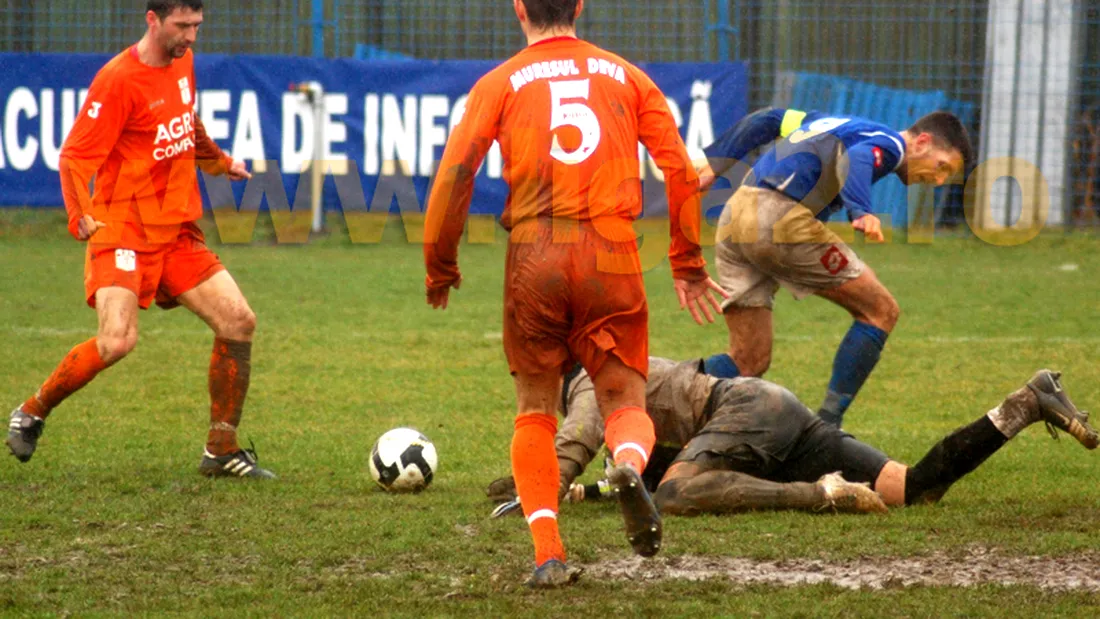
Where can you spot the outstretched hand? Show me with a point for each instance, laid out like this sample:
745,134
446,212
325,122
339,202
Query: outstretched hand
871,226
692,295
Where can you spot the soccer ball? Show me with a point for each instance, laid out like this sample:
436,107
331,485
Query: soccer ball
403,460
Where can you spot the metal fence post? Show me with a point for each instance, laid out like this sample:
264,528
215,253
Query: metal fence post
317,20
722,28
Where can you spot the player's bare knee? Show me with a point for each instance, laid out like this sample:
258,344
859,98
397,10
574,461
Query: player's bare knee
668,499
886,313
246,322
240,324
893,313
113,347
752,363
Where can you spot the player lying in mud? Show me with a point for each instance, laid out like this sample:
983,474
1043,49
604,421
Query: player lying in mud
734,445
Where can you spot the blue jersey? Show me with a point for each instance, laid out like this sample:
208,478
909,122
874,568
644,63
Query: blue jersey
830,163
760,128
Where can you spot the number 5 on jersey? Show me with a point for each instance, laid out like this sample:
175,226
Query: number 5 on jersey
574,114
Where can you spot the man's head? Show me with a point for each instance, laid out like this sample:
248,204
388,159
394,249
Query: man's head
173,24
547,15
937,148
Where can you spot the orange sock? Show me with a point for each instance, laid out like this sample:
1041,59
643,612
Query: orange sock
77,369
629,435
230,374
535,468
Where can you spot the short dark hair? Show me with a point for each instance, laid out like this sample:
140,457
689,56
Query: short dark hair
946,128
164,8
549,13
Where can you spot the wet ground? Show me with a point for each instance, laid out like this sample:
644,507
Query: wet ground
977,567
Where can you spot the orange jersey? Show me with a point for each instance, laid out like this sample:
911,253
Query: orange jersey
138,134
568,116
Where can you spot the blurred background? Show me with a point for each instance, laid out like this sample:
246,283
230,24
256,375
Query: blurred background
1022,74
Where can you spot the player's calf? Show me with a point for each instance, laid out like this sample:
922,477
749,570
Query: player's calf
23,433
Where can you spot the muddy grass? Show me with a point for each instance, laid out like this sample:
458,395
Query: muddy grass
977,567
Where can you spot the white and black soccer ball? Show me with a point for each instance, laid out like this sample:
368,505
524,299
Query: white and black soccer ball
403,460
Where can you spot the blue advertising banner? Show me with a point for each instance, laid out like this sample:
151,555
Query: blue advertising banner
379,120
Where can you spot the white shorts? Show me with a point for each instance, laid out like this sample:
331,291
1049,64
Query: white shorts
766,240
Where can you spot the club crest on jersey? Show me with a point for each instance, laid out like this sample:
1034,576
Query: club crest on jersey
185,90
834,260
125,260
877,152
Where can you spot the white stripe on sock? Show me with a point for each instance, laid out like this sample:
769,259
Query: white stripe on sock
636,447
542,513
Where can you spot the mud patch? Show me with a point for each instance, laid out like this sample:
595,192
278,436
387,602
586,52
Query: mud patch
979,567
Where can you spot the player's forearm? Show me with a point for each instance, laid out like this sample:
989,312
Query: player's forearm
855,213
208,155
661,138
74,190
448,208
569,468
685,220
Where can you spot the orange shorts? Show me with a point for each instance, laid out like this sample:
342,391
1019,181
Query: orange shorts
160,275
563,304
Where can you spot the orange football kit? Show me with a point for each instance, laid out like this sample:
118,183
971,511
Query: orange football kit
138,135
568,117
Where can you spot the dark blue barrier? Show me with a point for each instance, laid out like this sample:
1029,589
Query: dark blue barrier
385,118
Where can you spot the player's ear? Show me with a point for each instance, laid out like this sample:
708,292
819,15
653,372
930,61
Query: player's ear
925,141
151,18
521,10
577,13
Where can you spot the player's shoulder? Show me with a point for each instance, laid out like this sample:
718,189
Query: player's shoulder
500,73
599,52
116,75
118,67
879,133
851,129
860,124
632,72
810,115
496,81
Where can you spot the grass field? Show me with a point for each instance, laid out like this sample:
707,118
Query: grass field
110,517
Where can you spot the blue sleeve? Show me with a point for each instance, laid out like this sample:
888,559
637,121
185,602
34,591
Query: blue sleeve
856,193
869,161
751,132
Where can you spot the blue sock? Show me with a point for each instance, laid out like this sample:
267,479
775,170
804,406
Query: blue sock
856,357
721,366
